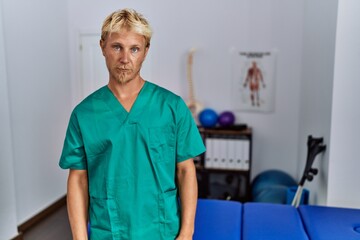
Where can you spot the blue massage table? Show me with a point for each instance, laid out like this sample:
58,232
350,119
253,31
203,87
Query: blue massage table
228,220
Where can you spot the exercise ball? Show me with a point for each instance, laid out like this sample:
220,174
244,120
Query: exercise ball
208,117
271,186
226,119
272,194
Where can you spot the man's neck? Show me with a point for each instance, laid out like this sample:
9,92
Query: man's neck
126,90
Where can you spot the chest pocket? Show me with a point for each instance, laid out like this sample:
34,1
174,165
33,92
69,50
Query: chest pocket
162,144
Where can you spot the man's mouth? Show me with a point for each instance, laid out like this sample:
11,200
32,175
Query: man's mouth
124,69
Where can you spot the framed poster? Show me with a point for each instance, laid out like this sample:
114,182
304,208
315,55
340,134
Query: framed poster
253,78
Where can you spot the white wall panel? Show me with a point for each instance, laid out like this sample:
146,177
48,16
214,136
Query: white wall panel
344,158
37,62
8,224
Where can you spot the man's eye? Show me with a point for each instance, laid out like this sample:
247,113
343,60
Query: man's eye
117,48
135,49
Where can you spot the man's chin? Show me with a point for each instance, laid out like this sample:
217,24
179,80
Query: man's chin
123,80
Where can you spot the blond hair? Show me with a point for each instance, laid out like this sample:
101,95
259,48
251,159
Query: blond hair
127,19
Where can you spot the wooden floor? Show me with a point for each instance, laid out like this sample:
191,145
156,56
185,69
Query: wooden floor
55,227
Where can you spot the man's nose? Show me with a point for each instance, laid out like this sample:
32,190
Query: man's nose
125,56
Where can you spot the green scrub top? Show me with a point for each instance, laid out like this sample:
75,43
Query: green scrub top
131,161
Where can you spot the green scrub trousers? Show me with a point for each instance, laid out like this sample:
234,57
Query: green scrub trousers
131,161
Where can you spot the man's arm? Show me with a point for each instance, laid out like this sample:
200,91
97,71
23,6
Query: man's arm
77,203
188,190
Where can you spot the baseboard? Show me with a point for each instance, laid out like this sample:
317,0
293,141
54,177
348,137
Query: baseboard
22,228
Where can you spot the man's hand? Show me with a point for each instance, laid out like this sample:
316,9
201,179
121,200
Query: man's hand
184,238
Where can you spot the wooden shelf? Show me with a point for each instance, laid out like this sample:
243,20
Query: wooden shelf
224,183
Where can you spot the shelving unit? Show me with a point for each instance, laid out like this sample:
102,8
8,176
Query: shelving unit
223,171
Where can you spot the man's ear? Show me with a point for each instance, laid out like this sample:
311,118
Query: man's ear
102,46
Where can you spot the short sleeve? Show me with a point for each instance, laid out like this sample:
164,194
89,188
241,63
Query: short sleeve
189,142
73,153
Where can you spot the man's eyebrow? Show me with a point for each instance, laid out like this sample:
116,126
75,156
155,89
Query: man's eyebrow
116,43
131,46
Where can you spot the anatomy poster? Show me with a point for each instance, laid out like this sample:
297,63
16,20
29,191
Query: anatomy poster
253,78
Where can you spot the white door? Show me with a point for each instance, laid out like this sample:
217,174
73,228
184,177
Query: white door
94,73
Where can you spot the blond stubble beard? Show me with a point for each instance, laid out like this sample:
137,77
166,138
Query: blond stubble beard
121,77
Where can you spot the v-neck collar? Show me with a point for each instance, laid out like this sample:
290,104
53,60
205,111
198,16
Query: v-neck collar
118,109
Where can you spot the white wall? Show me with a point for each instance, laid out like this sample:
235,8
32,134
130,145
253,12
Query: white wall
344,159
329,98
42,77
41,42
214,28
37,53
316,88
7,185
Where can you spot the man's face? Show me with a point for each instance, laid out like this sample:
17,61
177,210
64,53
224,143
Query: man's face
124,54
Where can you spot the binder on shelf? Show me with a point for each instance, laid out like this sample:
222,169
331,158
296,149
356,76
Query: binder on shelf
239,154
216,153
231,147
209,157
223,153
246,155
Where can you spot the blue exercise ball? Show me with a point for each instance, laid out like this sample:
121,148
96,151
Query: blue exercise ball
267,184
272,194
208,117
226,119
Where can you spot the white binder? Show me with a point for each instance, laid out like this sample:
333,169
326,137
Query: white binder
238,154
209,156
223,153
231,156
216,152
246,155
